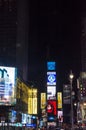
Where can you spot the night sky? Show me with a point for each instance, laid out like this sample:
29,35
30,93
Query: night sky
54,34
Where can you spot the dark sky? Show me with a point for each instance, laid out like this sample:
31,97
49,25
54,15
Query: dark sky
54,35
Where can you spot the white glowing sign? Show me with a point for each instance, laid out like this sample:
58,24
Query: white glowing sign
7,85
51,92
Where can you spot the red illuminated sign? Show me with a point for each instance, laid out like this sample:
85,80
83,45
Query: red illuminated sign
51,107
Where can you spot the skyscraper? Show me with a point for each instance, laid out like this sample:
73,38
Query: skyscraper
8,28
14,35
83,36
22,37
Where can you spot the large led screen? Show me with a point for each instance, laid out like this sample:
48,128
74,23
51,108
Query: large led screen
32,101
51,92
24,118
66,94
59,100
51,65
12,116
51,107
60,116
7,85
43,100
51,78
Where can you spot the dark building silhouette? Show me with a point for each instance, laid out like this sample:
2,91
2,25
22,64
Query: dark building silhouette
16,24
8,28
14,35
83,35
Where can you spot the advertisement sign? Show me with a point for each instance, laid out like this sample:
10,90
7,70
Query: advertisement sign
12,116
24,118
51,124
51,92
59,100
32,101
60,116
8,77
51,107
30,108
43,100
34,105
51,78
51,65
83,111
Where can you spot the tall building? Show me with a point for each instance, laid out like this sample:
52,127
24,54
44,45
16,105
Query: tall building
8,28
14,35
81,107
22,38
83,36
83,46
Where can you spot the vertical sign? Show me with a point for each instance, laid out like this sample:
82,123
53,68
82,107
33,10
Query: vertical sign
51,91
30,108
32,101
59,100
43,100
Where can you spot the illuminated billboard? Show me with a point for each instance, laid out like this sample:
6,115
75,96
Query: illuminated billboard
51,92
24,118
43,100
8,77
32,101
51,65
51,107
51,124
51,78
60,116
12,116
59,100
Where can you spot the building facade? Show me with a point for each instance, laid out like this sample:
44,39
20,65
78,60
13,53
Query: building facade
81,106
83,37
14,35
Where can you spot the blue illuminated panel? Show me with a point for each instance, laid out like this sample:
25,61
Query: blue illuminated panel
51,78
8,86
51,65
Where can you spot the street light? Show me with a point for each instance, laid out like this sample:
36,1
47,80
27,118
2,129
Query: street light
71,76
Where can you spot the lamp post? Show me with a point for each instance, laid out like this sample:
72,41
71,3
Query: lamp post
71,76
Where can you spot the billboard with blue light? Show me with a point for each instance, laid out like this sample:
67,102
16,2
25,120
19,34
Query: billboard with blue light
51,78
8,77
51,65
12,116
51,107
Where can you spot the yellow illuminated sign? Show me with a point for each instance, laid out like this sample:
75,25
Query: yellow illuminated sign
34,105
32,101
30,106
43,100
59,100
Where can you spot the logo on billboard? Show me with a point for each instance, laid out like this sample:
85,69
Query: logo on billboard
51,65
51,78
